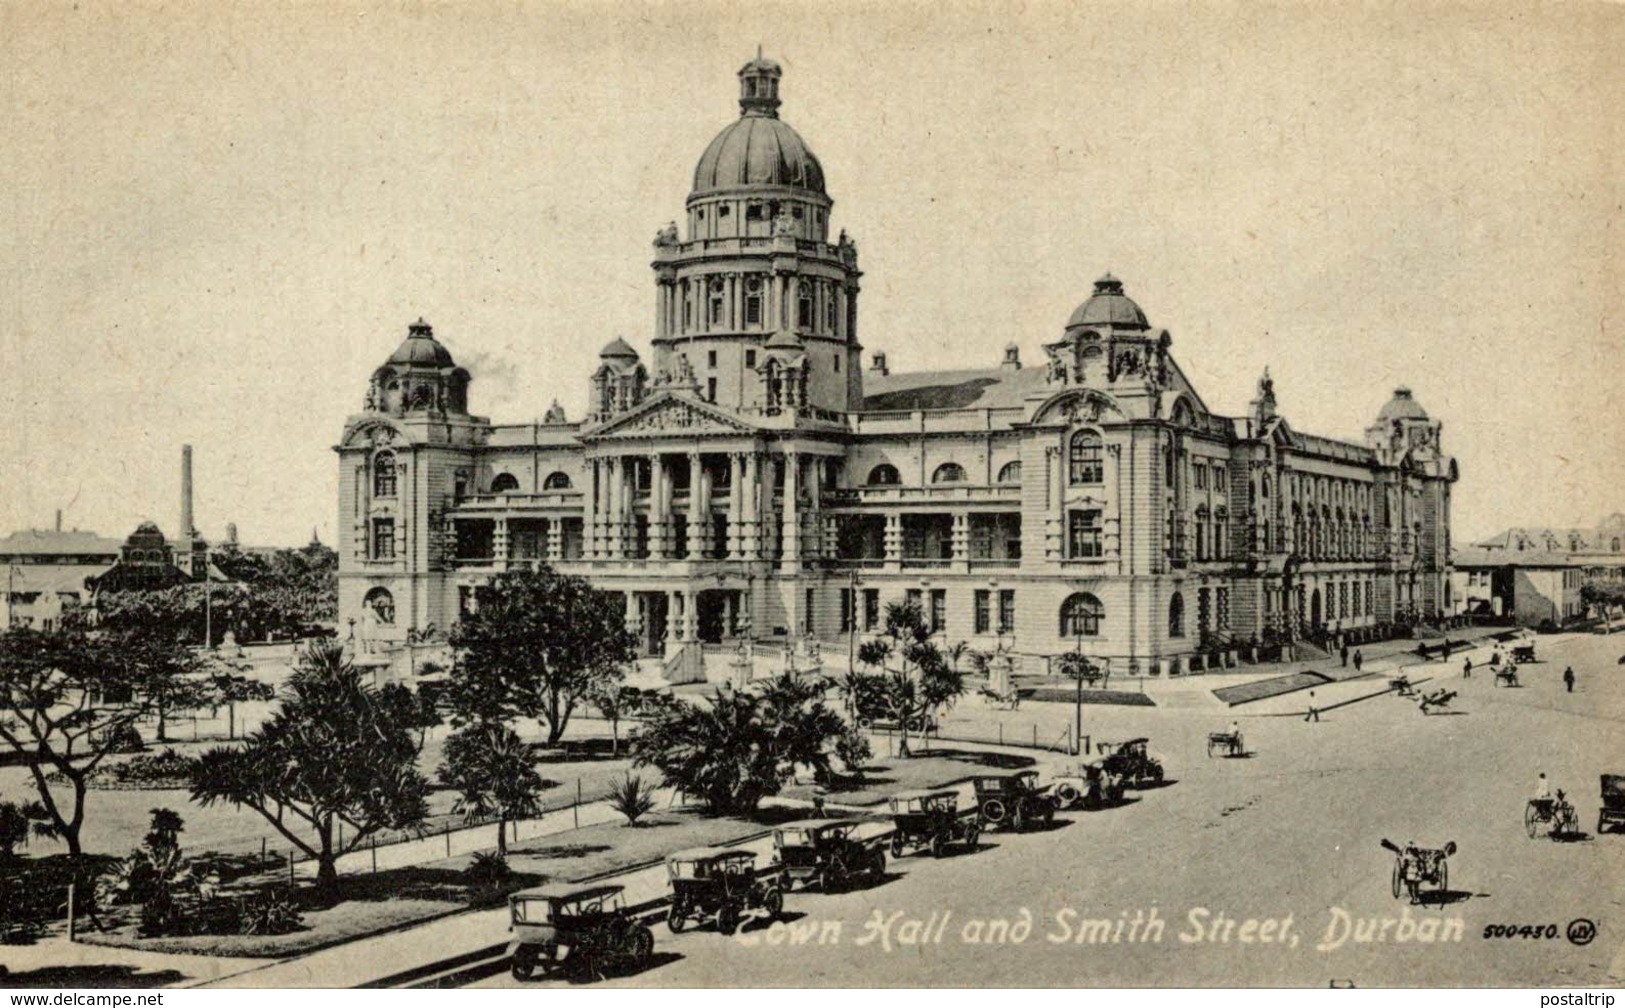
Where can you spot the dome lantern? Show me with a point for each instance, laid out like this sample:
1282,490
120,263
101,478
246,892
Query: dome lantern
759,87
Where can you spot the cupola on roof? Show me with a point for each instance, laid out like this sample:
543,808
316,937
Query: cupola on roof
759,149
1109,306
618,348
421,348
1402,407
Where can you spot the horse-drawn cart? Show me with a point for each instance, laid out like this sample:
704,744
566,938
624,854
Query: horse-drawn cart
1612,812
1556,813
1506,675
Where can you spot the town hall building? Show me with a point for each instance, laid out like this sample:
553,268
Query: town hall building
748,477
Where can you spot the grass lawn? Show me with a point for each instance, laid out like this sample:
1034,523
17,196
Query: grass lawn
392,899
939,768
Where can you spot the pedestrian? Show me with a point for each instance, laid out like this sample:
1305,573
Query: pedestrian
1344,654
1313,714
1359,660
1467,668
1568,678
818,803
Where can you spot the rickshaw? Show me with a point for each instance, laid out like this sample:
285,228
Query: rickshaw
1557,814
581,928
828,853
1506,675
1612,812
931,820
1230,742
1416,866
720,884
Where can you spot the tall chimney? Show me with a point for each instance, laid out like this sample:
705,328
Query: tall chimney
59,519
186,494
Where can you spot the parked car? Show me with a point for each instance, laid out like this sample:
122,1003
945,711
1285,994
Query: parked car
583,929
931,820
1132,764
829,853
1087,784
1014,799
719,884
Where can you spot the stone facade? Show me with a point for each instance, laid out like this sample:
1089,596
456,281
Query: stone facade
753,480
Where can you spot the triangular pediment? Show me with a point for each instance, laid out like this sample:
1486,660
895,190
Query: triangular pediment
671,414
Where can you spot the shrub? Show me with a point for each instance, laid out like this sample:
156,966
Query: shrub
125,739
854,751
271,913
487,876
631,797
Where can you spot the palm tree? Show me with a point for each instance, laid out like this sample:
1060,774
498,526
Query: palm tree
494,773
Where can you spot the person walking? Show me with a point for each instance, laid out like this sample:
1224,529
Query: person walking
1467,668
1359,660
1344,653
1313,714
1568,678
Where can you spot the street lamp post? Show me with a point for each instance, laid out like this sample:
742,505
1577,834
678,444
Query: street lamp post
852,626
1077,707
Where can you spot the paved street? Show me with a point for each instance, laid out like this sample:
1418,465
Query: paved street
1292,831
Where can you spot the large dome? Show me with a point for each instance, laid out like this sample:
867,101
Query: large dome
758,150
1402,407
1109,306
421,348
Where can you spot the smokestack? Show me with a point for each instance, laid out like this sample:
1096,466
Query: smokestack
186,493
59,519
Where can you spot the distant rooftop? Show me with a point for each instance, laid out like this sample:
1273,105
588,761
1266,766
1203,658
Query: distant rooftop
43,542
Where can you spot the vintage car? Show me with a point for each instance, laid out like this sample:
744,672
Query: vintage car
1132,764
1014,799
1087,784
828,853
580,928
719,884
931,820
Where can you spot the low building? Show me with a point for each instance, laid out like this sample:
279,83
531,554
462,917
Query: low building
46,573
1534,574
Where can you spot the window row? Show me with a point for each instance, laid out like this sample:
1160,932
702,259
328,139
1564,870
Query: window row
886,474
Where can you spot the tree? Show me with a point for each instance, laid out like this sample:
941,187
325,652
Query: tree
615,702
920,681
336,751
16,821
538,644
739,746
494,774
1602,596
67,700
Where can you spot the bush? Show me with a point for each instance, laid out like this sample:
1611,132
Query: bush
487,876
631,797
270,913
125,739
854,751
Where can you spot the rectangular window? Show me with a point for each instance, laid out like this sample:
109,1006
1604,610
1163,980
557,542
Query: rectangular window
1007,610
847,611
710,358
1083,535
716,310
753,309
1222,608
916,598
1201,476
939,610
807,612
383,538
750,358
1218,479
837,363
710,390
983,611
871,608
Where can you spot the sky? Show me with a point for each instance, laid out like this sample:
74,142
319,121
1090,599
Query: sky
219,221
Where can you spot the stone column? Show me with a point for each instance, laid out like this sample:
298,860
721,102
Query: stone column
611,531
791,536
736,503
499,543
961,542
659,507
751,493
633,624
894,542
674,619
589,511
691,616
699,506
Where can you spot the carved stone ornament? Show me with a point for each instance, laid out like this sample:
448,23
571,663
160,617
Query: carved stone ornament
675,417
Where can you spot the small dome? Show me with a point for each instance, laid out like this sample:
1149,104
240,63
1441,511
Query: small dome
1402,407
784,339
618,349
421,348
1109,306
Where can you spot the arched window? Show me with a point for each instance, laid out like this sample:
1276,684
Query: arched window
382,604
1080,615
1176,616
949,472
753,301
1011,473
383,474
1084,459
505,483
1264,485
884,475
804,305
556,481
1615,546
